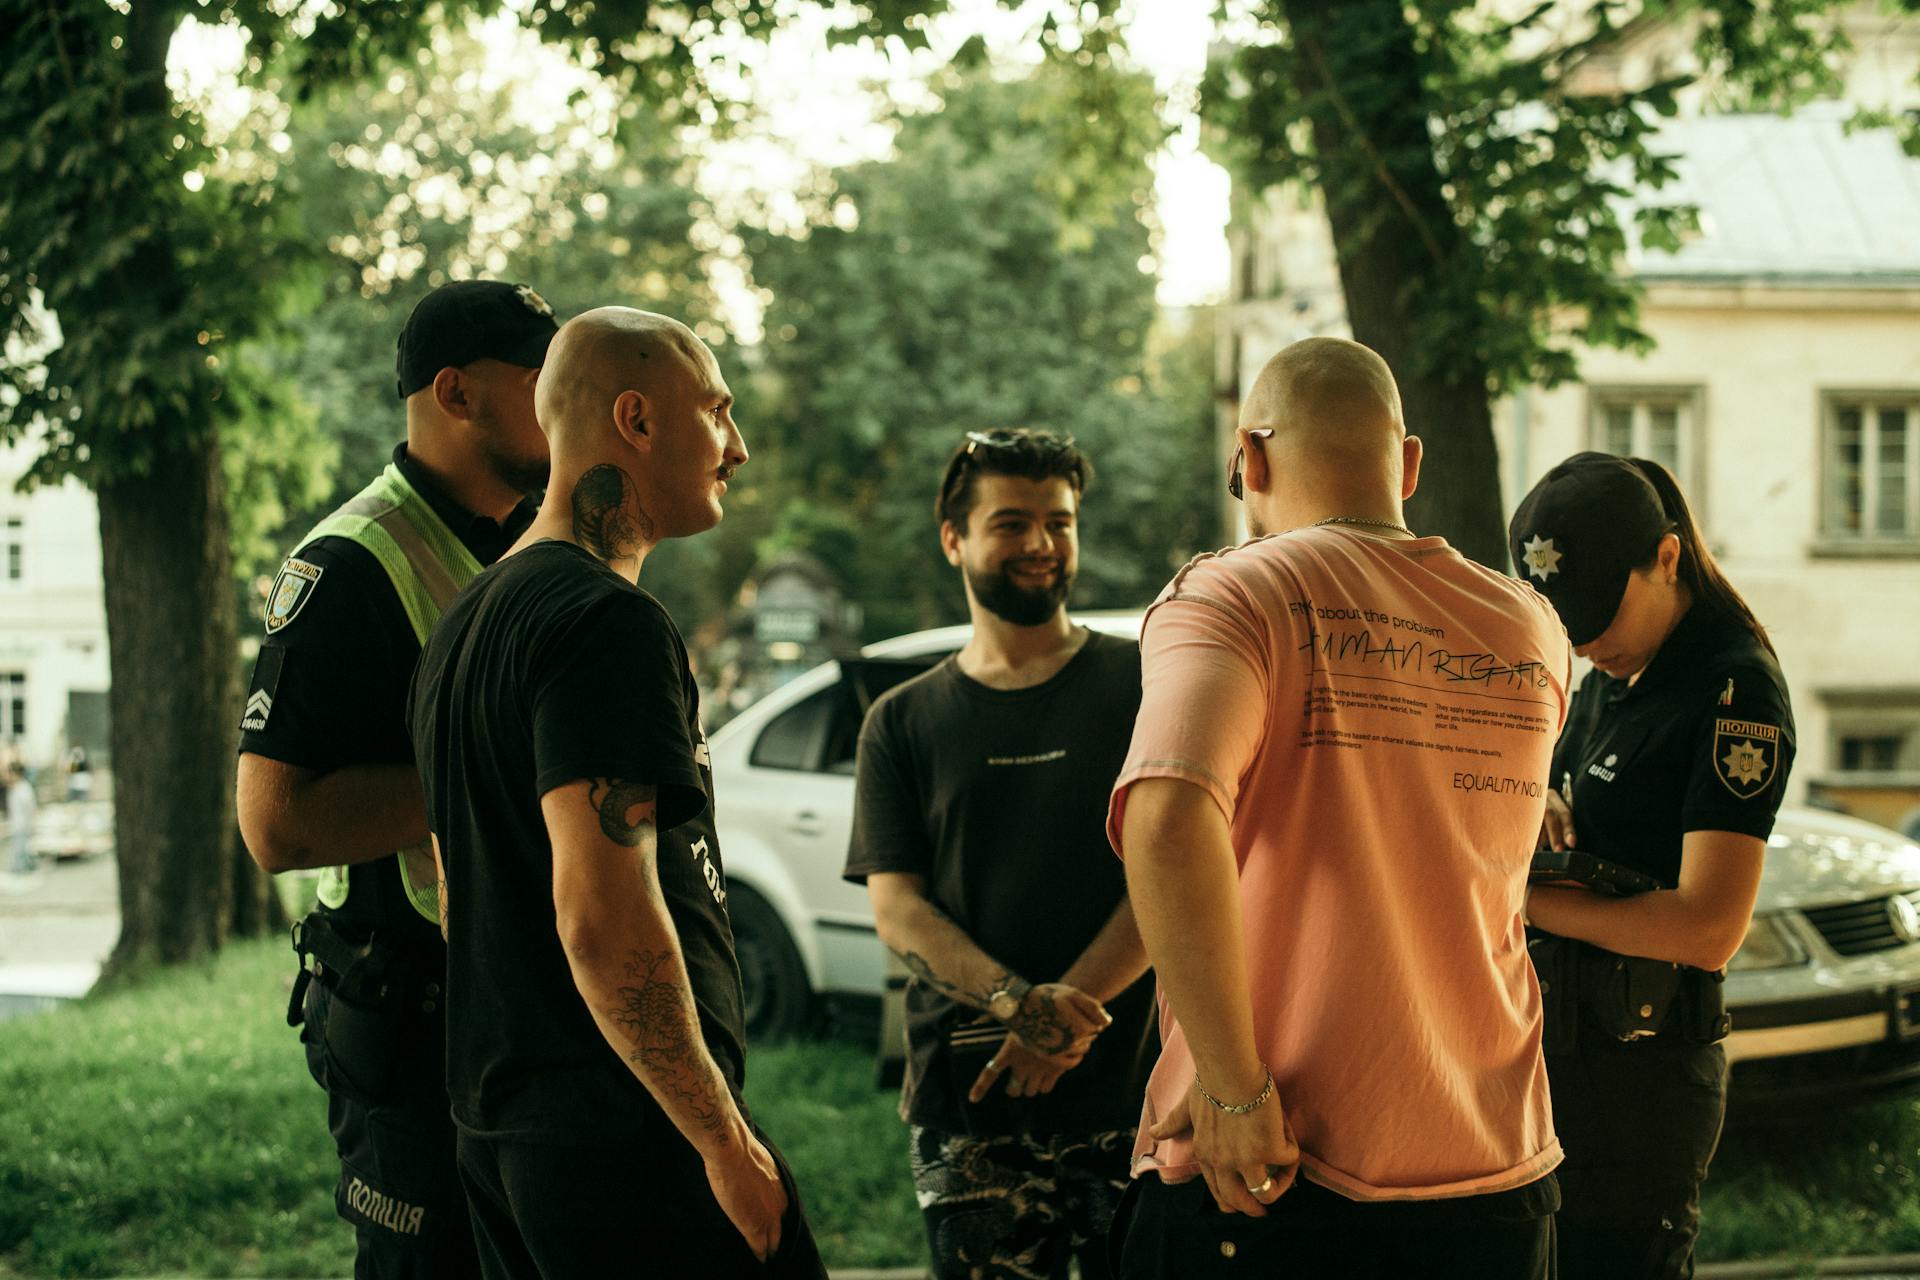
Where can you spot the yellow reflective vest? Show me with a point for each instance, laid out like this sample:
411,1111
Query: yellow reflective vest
427,565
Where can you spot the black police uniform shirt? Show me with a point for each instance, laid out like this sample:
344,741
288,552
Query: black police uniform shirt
1702,741
329,685
546,669
999,799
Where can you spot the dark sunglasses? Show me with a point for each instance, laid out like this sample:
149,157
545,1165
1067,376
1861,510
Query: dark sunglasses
1234,486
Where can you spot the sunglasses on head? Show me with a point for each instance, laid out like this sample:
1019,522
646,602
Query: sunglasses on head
1234,485
1013,440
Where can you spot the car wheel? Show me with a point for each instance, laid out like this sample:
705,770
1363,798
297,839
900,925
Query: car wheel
779,1003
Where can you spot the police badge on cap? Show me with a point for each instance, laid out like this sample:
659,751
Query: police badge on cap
1588,524
470,320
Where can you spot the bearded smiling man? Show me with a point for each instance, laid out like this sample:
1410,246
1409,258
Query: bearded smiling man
979,833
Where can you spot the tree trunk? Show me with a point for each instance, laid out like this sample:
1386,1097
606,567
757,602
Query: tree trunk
257,910
1358,70
171,640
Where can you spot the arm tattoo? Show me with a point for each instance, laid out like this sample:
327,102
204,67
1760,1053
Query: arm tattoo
607,518
923,972
615,801
656,1011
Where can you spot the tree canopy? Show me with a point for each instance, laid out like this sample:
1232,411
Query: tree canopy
957,286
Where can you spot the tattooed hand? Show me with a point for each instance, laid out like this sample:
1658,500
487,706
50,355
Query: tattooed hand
1028,1074
1055,1018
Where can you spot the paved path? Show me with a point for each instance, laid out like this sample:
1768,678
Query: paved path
56,926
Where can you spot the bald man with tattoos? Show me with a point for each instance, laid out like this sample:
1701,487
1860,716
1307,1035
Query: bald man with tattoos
595,1051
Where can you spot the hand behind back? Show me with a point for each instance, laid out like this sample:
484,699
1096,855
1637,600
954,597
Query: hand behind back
746,1182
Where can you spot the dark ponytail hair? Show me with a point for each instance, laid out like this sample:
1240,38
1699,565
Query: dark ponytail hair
1699,572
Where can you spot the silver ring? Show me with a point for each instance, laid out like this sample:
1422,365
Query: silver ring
1266,1185
993,1064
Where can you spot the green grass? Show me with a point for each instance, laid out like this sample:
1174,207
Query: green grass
1846,1182
173,1129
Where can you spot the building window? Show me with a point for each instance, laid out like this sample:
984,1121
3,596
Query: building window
1874,733
1872,466
13,705
1655,423
14,548
1870,752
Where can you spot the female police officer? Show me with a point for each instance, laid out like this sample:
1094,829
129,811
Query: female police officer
1671,764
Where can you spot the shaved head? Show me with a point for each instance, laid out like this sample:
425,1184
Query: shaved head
602,354
640,420
1330,394
1339,443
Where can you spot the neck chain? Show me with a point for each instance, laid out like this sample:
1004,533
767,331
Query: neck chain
1377,524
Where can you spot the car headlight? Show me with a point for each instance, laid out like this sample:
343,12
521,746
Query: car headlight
1769,945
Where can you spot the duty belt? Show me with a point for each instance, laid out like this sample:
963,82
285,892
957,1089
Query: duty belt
366,973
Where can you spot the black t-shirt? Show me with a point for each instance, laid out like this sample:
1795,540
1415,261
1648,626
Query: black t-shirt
999,798
329,685
548,668
1702,741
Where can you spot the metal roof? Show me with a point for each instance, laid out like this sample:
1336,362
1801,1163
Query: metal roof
1791,198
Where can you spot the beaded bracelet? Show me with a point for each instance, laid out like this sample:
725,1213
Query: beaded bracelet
1244,1107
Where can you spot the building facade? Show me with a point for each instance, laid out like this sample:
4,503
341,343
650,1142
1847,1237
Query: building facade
53,625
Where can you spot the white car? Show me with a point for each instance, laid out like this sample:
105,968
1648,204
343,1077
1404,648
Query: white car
783,794
1825,993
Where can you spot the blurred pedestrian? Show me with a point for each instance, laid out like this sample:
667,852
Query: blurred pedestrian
79,775
20,811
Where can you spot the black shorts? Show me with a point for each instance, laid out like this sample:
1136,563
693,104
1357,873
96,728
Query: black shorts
1175,1231
549,1212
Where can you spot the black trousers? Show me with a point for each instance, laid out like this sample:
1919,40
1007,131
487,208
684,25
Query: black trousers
1176,1232
399,1184
543,1211
1639,1121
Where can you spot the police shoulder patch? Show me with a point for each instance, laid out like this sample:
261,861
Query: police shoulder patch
1745,755
291,591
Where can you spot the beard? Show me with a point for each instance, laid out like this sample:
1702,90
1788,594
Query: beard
999,595
524,475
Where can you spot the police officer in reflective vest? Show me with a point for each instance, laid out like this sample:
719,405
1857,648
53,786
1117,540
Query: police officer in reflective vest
326,776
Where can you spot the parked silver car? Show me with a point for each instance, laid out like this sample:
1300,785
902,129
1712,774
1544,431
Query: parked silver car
1825,993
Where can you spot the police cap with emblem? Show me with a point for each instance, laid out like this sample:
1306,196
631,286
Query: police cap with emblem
1588,524
472,320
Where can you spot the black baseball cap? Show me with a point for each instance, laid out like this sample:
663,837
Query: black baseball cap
1588,524
470,320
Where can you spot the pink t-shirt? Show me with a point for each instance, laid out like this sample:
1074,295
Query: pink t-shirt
1376,718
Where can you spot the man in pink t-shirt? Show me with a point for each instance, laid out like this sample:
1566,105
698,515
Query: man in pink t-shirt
1334,789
